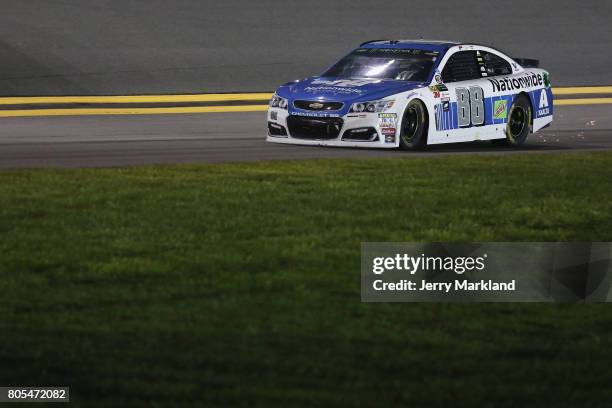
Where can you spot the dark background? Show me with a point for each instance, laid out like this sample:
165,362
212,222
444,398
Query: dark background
159,46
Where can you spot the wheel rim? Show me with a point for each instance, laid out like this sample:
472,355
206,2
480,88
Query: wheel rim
518,119
410,124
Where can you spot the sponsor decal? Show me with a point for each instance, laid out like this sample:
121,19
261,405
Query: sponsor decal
273,115
397,51
500,109
387,123
438,90
439,87
316,105
546,80
438,78
445,106
333,89
316,114
543,106
340,86
509,84
345,83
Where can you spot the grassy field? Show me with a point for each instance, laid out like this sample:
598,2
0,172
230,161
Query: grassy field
238,284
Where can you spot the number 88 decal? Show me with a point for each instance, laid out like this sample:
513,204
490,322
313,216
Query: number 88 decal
470,106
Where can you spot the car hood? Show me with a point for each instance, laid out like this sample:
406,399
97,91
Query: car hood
345,90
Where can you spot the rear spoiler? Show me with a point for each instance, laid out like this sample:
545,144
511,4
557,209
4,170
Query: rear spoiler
527,62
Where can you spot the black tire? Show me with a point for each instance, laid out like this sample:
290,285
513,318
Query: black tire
413,132
519,123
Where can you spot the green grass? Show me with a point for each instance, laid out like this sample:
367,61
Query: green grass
238,284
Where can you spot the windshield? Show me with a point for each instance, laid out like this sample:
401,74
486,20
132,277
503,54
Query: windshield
385,63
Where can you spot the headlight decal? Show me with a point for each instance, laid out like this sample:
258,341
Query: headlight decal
278,102
372,107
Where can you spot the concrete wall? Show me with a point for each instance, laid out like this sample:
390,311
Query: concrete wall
53,47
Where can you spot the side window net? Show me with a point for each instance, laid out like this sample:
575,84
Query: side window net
495,65
461,66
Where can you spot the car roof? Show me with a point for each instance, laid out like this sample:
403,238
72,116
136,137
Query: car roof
430,45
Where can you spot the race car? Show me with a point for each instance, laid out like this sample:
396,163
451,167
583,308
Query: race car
410,94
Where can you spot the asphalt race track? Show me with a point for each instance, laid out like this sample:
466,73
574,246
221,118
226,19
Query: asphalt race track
147,47
92,141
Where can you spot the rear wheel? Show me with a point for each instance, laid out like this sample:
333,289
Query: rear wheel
519,122
413,133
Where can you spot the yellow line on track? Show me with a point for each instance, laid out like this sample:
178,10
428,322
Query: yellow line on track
575,90
131,111
208,98
27,100
254,96
204,109
583,101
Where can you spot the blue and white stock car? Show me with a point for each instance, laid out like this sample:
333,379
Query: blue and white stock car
409,94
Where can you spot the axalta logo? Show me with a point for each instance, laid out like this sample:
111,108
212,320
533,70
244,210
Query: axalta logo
543,107
509,84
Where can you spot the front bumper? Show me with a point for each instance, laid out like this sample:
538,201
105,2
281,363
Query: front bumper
373,130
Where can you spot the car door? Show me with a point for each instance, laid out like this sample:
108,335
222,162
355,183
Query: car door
462,113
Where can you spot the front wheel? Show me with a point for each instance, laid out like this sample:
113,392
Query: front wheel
413,133
519,123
